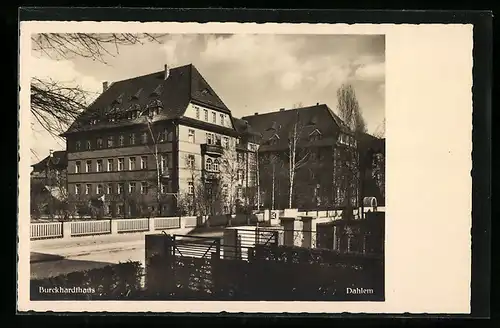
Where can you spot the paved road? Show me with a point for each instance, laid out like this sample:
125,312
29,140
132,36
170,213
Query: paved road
58,256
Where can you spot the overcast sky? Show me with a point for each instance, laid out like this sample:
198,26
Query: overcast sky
251,73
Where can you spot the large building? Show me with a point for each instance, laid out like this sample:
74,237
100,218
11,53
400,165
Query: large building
302,152
310,154
157,144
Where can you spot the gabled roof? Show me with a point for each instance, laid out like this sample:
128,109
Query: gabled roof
59,160
184,84
319,117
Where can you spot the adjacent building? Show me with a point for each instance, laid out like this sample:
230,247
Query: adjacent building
152,144
305,152
48,184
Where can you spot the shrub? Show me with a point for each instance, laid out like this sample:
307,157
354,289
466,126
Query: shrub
112,282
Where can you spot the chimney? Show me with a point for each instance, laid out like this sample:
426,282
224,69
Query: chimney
282,109
167,72
317,104
104,86
51,153
256,113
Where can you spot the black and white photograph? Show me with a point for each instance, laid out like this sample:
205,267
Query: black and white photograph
233,164
208,167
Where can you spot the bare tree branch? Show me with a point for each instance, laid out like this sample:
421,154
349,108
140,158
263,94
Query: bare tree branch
55,106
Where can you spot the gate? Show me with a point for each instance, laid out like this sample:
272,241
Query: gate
192,270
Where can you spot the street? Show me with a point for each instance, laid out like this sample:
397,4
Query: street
54,257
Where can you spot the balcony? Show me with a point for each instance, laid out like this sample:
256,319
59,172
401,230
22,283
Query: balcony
209,175
209,149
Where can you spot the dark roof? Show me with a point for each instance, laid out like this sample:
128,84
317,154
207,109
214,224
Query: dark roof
184,84
59,160
280,123
243,127
368,142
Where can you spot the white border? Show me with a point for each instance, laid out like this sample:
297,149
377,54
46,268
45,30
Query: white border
429,143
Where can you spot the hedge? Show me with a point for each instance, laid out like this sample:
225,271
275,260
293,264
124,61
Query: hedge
112,282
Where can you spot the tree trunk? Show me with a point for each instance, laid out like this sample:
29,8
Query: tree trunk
258,179
274,187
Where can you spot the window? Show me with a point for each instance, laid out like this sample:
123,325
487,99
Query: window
164,135
78,145
99,143
110,165
190,161
208,164
222,119
131,163
110,141
224,190
191,135
197,109
210,138
214,117
120,164
240,158
99,189
240,175
88,166
121,140
109,188
119,190
88,145
164,163
132,138
205,111
215,167
144,138
190,188
99,165
77,167
239,193
144,188
77,189
131,187
88,188
119,209
163,188
144,162
225,142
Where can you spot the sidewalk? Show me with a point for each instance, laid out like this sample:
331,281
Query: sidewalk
55,249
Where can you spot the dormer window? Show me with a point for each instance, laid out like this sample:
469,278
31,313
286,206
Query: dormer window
136,95
158,90
119,99
315,135
274,139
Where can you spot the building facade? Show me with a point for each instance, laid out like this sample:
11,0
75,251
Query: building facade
153,144
308,158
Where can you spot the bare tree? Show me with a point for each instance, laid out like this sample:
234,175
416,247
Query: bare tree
297,156
380,131
349,111
231,169
55,105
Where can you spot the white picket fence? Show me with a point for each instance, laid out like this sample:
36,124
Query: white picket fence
46,230
49,230
85,228
132,225
167,223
